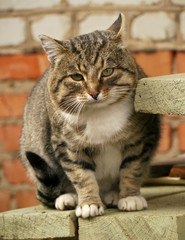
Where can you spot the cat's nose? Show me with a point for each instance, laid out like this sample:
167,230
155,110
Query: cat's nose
94,94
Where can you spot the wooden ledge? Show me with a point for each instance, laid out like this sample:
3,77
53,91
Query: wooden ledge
163,95
164,219
37,222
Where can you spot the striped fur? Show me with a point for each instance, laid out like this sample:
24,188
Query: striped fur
81,141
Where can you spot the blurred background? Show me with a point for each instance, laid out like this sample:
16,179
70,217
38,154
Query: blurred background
155,35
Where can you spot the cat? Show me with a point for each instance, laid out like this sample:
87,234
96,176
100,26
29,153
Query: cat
82,142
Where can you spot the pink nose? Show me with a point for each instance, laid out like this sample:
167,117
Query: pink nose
94,94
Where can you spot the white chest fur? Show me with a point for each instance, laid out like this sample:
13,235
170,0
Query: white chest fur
108,165
102,124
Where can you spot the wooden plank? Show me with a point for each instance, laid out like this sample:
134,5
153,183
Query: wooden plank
164,219
37,222
155,192
163,94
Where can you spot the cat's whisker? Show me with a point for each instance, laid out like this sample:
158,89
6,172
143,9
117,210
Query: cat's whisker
67,117
67,104
76,109
123,90
55,113
116,94
82,99
72,109
79,108
65,108
71,106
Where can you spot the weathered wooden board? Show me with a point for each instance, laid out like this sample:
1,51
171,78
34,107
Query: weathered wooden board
163,94
37,222
164,219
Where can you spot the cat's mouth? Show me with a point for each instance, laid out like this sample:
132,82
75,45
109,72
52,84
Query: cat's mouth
95,103
96,100
99,102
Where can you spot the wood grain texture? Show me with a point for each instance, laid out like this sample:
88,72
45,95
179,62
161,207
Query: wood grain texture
164,219
163,95
37,222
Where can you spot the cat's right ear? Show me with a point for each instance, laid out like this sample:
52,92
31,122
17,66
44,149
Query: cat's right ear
118,26
52,47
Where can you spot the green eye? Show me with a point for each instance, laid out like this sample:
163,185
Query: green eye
77,77
107,72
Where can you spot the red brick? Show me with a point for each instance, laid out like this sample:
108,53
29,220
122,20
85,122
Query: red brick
9,137
155,63
15,172
174,116
5,201
180,62
177,171
166,138
21,67
12,105
181,137
43,62
26,199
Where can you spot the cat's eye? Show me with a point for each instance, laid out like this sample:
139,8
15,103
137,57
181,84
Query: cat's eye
77,77
107,72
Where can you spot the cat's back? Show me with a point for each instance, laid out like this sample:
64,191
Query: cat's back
38,90
35,105
35,119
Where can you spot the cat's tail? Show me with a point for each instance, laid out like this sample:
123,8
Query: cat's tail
50,180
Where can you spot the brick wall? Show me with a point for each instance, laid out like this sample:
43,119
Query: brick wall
155,34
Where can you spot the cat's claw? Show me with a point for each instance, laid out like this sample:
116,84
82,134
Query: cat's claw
132,203
89,211
66,201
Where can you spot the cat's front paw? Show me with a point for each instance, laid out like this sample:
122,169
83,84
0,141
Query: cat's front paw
132,203
66,201
87,211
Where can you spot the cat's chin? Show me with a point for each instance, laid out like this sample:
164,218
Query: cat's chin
100,102
94,104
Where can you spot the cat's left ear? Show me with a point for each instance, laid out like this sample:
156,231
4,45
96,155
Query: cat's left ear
118,26
52,47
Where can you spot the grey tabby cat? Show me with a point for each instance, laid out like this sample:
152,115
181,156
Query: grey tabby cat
81,141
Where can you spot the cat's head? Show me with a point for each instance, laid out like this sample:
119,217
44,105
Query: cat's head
91,70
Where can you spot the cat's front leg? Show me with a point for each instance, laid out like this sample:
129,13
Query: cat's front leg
130,198
132,171
81,172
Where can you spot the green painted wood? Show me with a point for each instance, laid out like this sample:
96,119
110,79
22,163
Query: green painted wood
163,95
37,222
164,219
